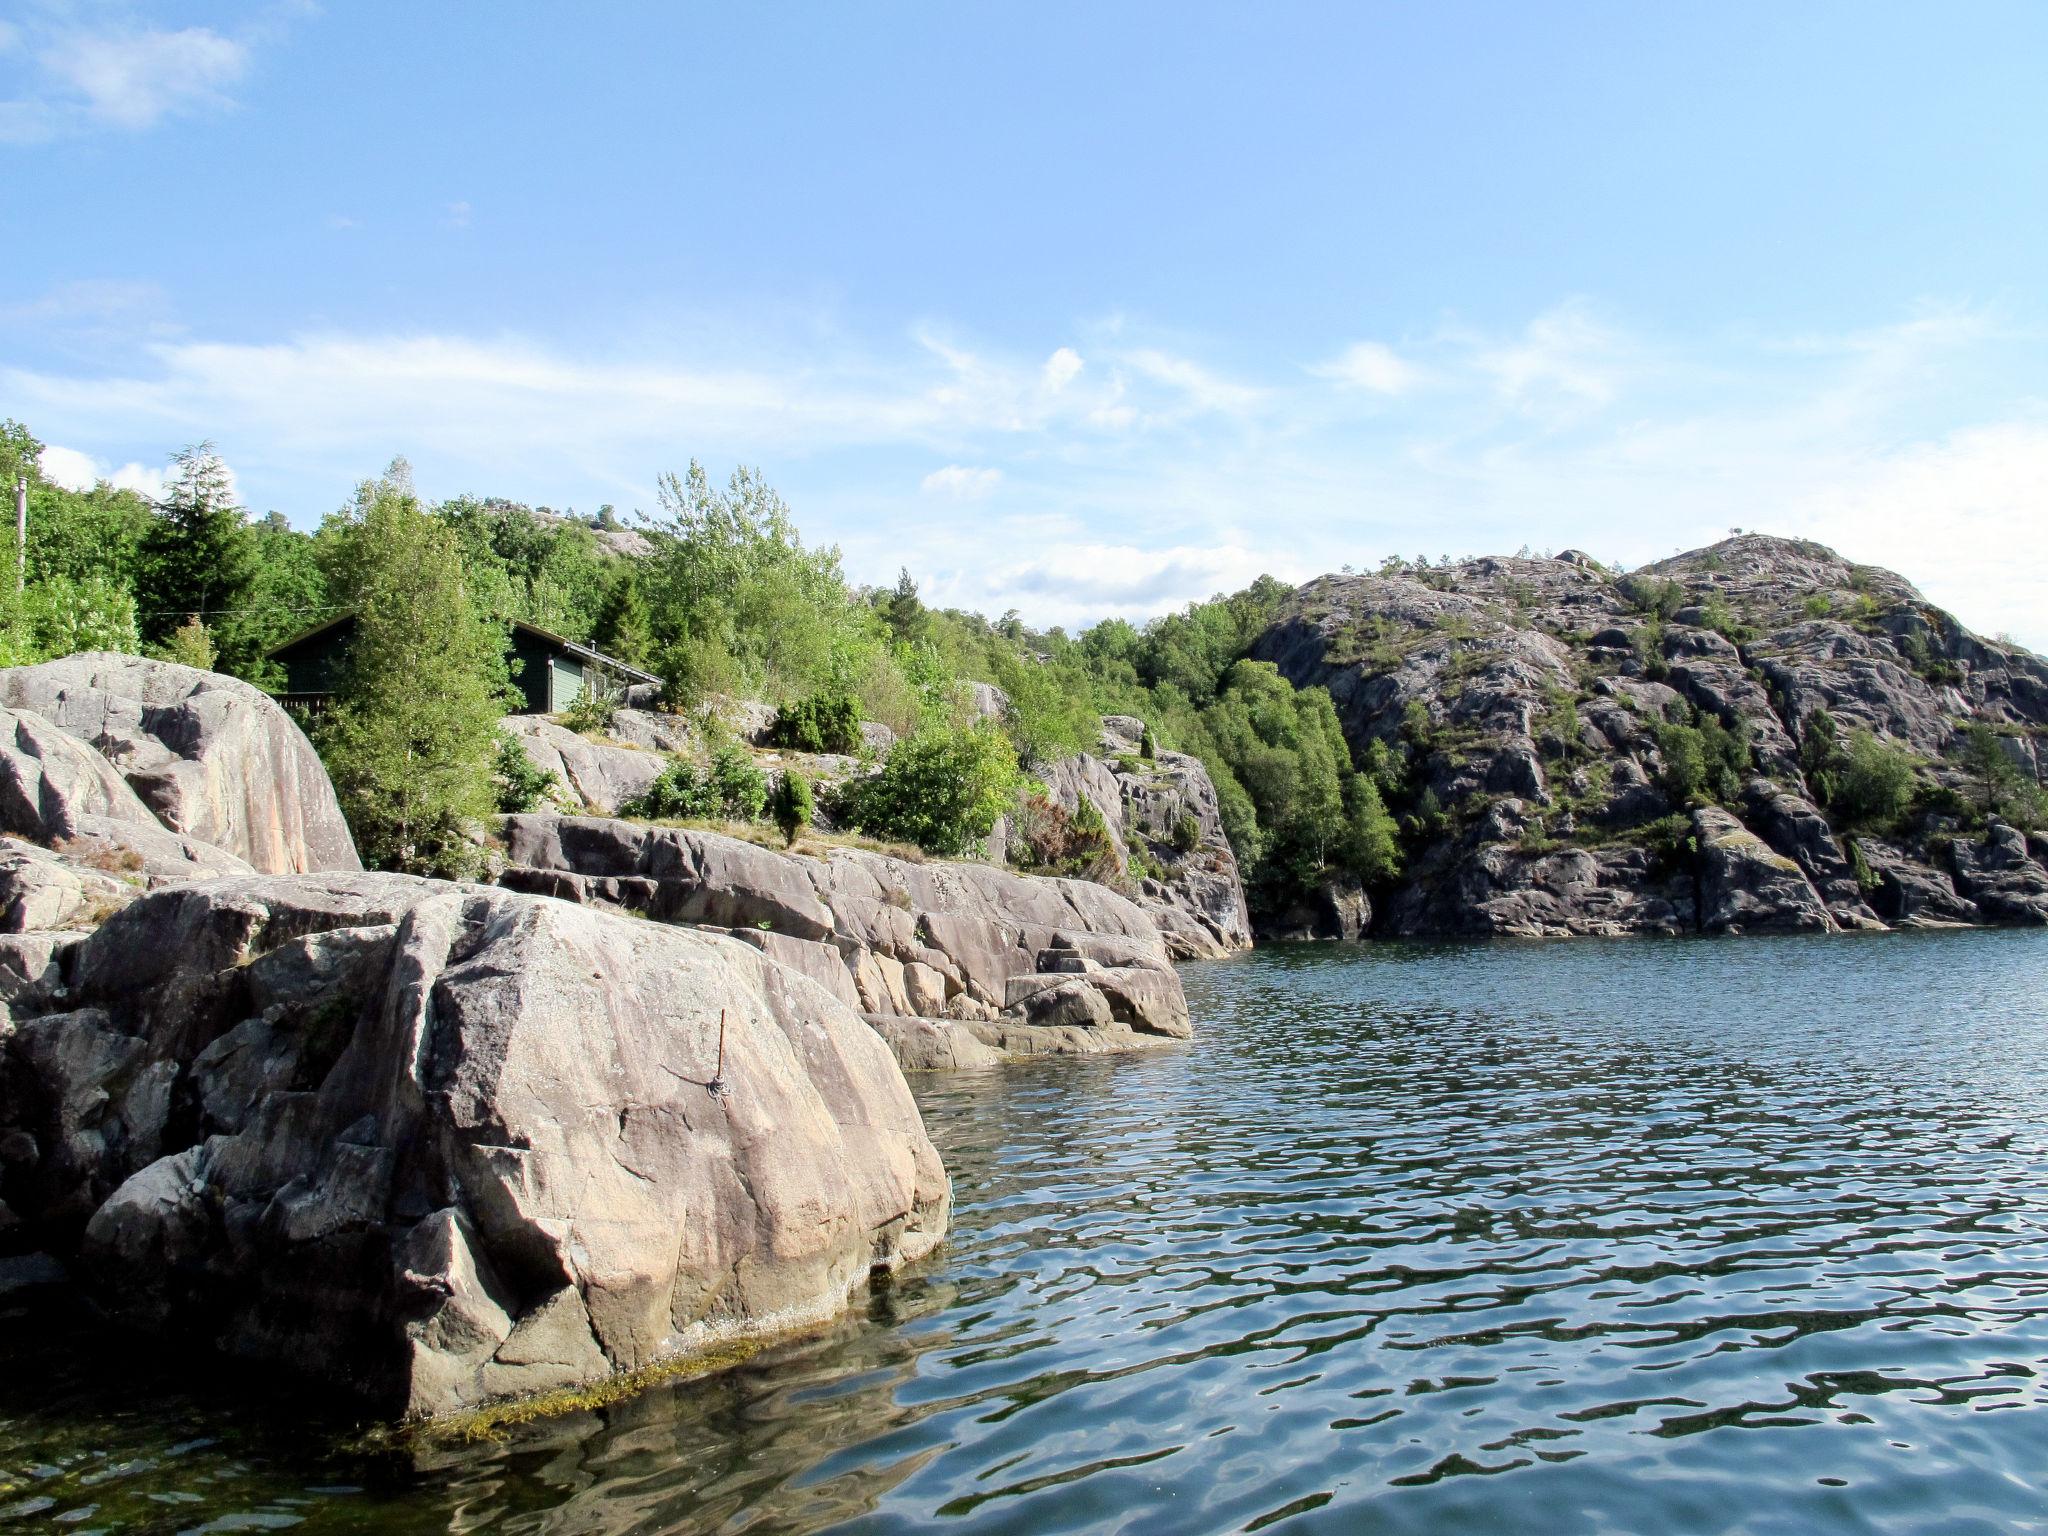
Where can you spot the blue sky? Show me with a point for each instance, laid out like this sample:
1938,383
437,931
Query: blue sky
1073,309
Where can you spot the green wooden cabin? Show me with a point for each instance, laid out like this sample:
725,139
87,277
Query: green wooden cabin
549,671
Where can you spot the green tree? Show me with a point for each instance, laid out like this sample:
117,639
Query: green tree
198,555
791,805
1985,759
413,736
622,624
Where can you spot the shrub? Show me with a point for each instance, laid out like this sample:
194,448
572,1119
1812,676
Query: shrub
1148,749
823,722
1187,834
595,707
1875,783
791,805
190,645
1703,761
728,788
1818,605
522,783
942,789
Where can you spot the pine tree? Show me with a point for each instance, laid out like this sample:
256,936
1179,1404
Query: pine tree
413,736
622,625
199,554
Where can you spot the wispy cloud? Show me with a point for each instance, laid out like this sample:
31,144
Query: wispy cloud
110,68
961,483
1125,473
1370,365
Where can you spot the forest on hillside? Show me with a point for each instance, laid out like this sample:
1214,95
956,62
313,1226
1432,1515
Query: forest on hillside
717,593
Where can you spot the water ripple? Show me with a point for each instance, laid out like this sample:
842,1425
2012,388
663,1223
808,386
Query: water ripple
1686,1237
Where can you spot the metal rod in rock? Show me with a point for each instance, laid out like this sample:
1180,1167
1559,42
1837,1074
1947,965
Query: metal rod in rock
718,1086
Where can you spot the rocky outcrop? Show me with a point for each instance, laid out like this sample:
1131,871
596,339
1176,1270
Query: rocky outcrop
1535,713
598,775
1163,807
967,943
443,1143
205,757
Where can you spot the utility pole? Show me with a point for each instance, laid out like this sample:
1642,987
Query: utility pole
20,532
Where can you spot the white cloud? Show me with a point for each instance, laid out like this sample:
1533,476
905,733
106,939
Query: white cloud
1961,516
1148,478
85,72
1202,388
134,79
68,467
1080,582
1369,365
457,216
77,471
1565,359
1061,369
961,483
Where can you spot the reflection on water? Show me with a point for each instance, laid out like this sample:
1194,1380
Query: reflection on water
1674,1236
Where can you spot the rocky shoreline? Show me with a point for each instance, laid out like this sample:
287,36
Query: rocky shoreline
443,1144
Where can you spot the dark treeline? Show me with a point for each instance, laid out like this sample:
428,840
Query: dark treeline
717,593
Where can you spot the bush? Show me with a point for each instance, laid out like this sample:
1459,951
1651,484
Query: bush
942,789
1187,834
728,788
791,805
1874,783
1703,761
595,707
522,783
1148,749
823,722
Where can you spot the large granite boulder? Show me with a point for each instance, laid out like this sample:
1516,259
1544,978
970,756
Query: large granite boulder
911,940
443,1143
210,758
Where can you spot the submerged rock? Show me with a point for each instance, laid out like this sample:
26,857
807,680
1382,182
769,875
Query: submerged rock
442,1143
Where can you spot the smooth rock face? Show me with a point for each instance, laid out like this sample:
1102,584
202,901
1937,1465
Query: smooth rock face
598,775
912,940
207,757
441,1143
1528,696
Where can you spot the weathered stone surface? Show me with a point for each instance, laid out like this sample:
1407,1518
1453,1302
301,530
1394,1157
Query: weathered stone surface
1338,909
593,775
441,1143
1911,894
1551,685
934,1045
915,939
1746,887
2000,875
40,890
213,758
1165,806
49,781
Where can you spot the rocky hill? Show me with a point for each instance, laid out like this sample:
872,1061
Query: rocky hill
1574,751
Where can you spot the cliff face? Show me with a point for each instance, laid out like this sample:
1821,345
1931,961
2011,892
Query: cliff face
1522,712
1162,809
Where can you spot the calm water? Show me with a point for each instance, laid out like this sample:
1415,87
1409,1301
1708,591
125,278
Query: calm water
1737,1235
